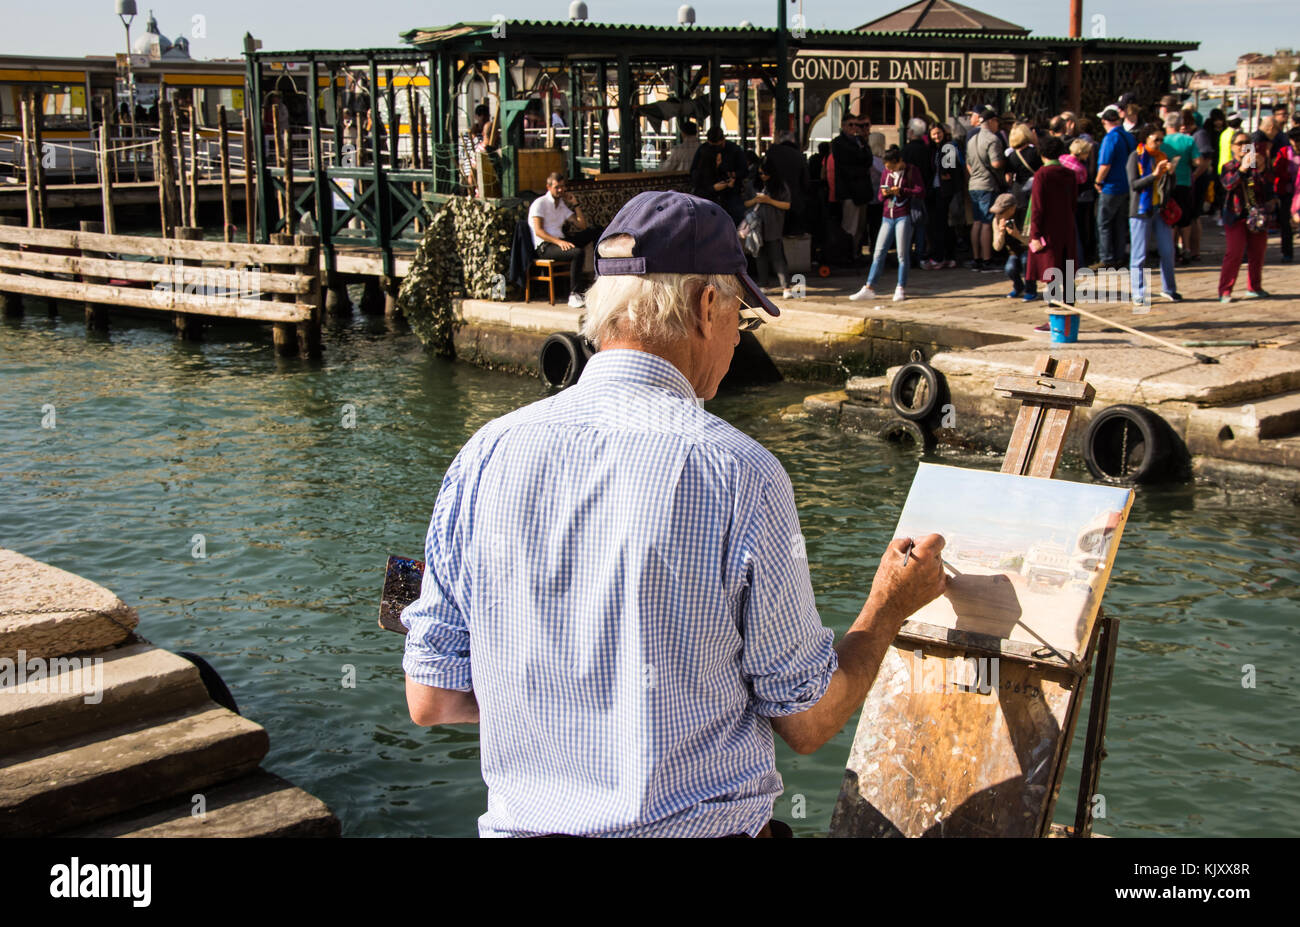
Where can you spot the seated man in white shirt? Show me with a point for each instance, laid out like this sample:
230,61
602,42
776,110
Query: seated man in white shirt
546,218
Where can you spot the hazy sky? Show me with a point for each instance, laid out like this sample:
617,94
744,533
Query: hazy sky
80,27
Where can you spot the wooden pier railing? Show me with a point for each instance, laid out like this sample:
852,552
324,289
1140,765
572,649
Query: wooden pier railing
191,279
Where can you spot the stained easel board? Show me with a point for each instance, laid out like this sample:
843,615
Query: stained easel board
954,745
1032,558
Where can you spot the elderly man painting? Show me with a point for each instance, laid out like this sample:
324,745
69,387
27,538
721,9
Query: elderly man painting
616,586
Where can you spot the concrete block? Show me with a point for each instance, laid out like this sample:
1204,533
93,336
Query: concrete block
257,805
48,612
55,787
76,695
825,407
869,390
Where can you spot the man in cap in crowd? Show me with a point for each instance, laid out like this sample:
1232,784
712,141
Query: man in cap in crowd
616,584
1112,190
984,166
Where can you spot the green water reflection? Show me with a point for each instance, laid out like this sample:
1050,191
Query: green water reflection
156,443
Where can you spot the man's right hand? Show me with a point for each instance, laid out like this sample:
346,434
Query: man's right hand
564,245
899,590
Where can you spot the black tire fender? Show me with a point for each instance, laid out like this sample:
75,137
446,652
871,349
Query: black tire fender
561,359
905,432
218,691
1128,444
916,391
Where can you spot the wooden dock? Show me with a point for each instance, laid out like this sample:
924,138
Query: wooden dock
186,277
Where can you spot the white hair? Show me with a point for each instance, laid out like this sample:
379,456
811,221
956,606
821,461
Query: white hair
917,128
648,308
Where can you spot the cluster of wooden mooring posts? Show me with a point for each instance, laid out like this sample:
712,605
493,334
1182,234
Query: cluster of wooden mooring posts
174,163
184,275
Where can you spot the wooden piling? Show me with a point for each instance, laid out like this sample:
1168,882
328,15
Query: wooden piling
163,169
189,327
181,182
285,333
33,172
372,297
309,340
38,136
226,226
194,171
250,206
96,313
11,304
113,120
291,208
105,181
29,173
337,303
279,162
389,288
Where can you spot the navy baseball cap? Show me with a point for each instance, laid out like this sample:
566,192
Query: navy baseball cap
676,233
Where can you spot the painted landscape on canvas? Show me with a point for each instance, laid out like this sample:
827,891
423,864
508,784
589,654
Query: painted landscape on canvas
1031,556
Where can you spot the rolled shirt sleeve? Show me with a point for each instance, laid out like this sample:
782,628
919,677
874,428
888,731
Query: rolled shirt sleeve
789,656
437,640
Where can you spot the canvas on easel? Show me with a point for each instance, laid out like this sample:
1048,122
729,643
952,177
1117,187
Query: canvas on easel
967,727
1030,557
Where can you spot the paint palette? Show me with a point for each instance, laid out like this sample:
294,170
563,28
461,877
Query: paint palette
402,579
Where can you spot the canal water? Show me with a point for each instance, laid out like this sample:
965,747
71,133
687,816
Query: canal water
156,443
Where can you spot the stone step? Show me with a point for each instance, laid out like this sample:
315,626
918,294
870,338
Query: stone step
1261,431
871,390
258,805
85,778
1277,416
48,612
75,695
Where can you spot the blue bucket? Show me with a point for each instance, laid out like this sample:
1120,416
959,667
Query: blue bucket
1064,325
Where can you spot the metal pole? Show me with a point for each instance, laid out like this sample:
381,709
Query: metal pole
575,107
130,86
1075,82
320,173
602,78
781,117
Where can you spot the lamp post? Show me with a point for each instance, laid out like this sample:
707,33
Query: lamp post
126,12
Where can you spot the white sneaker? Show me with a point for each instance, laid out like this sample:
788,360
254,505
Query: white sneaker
577,301
785,294
865,293
899,296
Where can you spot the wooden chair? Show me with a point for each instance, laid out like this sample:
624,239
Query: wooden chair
547,270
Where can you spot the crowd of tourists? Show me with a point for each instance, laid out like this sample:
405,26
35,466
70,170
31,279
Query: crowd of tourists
1132,184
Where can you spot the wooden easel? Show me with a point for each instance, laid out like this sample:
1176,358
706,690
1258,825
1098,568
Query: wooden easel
935,761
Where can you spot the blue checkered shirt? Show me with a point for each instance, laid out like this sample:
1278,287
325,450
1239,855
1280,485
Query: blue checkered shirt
620,578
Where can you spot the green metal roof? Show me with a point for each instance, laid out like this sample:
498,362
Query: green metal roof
459,32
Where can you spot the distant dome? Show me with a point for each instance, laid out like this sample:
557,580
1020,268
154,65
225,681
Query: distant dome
153,43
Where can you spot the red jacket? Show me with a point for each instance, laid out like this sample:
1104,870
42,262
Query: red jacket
908,180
